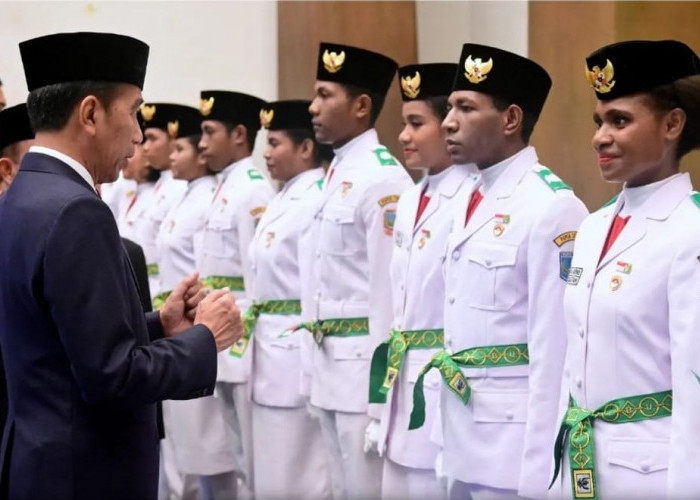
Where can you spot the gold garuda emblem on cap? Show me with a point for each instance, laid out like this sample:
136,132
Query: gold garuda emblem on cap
206,105
266,117
147,112
333,62
173,129
601,79
411,85
475,70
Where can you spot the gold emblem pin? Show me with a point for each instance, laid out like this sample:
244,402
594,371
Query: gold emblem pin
498,229
333,62
173,129
411,85
615,282
475,70
266,117
206,105
147,112
601,79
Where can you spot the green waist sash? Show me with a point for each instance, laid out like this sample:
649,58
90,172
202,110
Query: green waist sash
339,327
389,356
449,365
152,269
234,283
159,299
250,319
577,429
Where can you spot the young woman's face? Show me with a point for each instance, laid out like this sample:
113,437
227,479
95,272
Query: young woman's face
422,138
284,159
184,160
635,143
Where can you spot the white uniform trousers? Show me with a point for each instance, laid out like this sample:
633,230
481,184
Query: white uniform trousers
289,458
236,405
408,483
356,475
457,490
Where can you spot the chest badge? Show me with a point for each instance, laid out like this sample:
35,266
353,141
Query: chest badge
269,238
425,236
623,267
615,282
346,186
172,226
399,238
501,220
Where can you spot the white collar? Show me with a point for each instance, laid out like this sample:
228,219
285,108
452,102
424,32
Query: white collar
635,197
225,172
75,165
490,175
369,135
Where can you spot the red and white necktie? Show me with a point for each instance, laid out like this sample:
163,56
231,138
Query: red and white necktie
424,200
473,203
618,225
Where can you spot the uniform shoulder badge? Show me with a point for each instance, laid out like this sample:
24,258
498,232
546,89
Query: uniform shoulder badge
695,196
392,198
384,156
552,180
254,174
258,211
565,238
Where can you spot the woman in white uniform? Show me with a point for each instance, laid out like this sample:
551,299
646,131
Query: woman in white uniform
423,220
196,427
289,457
136,201
630,395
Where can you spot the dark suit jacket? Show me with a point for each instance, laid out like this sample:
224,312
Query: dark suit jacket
138,263
83,376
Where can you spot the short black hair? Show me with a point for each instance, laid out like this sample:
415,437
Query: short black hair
251,132
438,105
529,119
194,140
685,94
322,152
376,98
50,107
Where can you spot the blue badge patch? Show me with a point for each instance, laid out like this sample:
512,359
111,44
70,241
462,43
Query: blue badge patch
389,218
565,264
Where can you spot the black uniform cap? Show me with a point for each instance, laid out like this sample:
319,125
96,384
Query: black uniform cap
177,120
504,75
230,107
421,81
634,66
354,66
286,115
72,57
14,125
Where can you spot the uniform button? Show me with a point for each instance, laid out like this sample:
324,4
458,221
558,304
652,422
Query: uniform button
401,287
645,465
509,415
456,254
487,262
580,332
318,255
579,382
588,284
452,300
358,354
337,219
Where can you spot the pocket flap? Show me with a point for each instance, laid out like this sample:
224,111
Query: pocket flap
220,222
492,254
500,406
339,214
350,348
641,455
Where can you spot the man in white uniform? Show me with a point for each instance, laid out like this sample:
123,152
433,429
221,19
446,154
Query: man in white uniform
506,266
353,228
230,121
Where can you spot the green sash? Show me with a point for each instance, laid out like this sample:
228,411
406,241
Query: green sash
234,283
250,319
159,299
340,327
152,269
388,358
449,365
577,425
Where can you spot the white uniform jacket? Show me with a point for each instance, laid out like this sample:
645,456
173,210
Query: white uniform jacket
418,290
235,210
118,193
180,238
505,278
133,211
166,192
354,227
633,328
274,254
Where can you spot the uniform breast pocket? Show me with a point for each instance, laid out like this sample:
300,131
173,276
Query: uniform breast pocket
337,230
492,267
218,236
641,455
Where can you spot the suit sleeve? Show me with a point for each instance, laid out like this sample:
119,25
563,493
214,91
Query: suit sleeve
684,325
546,336
378,213
89,296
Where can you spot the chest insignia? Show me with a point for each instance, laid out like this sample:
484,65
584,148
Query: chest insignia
346,186
389,219
399,239
269,238
500,222
574,276
565,238
623,267
425,236
565,264
615,282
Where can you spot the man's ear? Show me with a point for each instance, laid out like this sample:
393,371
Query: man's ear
362,106
88,111
239,134
512,120
7,166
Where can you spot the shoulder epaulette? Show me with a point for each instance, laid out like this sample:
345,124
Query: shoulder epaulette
255,174
552,180
612,200
695,196
384,156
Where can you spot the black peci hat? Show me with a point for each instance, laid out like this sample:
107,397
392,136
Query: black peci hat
354,66
626,68
421,81
503,75
14,125
177,120
72,57
286,115
230,107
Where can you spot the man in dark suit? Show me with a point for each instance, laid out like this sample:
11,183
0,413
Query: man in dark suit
83,370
